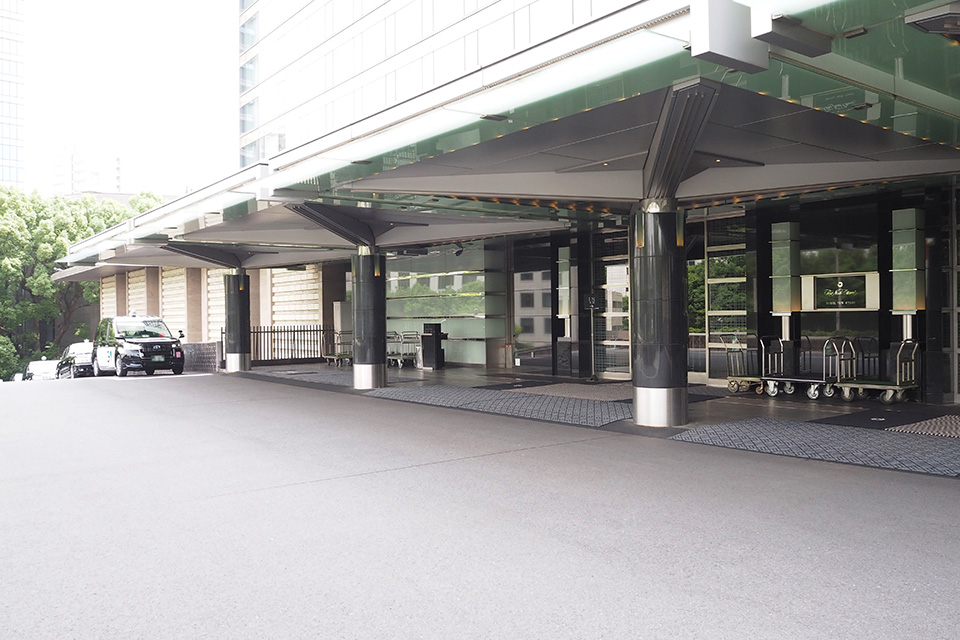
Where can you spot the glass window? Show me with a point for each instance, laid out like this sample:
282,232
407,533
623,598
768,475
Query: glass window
248,34
248,74
248,116
526,300
548,326
249,153
526,276
526,325
545,275
546,299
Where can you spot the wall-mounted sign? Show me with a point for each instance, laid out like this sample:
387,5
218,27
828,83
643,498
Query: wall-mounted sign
840,292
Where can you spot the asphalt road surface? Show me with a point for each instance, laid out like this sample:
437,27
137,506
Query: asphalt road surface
220,507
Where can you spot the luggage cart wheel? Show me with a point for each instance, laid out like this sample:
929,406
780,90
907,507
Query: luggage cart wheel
733,386
887,396
829,391
862,394
847,394
813,391
900,395
788,388
772,388
760,389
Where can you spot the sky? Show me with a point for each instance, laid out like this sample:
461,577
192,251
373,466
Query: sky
152,82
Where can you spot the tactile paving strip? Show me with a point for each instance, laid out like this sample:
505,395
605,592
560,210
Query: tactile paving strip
943,426
853,445
576,411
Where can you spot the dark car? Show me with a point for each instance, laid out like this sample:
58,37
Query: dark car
76,360
136,343
41,370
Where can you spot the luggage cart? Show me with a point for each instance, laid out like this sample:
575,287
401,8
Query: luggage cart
338,349
838,362
742,370
402,347
905,378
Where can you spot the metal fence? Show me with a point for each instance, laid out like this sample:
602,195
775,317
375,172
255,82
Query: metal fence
288,344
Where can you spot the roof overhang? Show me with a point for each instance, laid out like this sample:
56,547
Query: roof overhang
701,140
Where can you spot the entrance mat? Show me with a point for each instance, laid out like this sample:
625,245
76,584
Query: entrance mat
573,411
833,443
947,426
880,418
883,418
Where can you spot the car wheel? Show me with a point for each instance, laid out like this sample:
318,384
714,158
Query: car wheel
149,372
177,370
96,369
121,370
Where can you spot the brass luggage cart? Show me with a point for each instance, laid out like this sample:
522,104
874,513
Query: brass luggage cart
905,378
742,369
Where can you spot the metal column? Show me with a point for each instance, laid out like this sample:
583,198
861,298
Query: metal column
658,314
369,319
237,329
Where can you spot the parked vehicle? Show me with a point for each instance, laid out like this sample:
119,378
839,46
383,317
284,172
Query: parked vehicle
41,370
76,360
136,343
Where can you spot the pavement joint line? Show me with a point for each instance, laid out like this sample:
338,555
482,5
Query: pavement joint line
403,468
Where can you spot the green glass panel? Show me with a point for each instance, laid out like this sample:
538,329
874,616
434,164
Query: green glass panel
784,231
908,290
908,249
786,258
786,294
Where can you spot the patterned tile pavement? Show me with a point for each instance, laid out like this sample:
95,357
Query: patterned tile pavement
575,411
852,445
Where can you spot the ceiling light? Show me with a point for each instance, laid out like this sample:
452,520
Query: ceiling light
855,33
495,117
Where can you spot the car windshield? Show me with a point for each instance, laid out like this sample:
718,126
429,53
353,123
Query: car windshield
133,328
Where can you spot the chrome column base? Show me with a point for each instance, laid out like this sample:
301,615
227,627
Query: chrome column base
238,362
659,407
369,376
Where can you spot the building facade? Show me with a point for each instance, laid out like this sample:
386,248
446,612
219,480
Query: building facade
11,93
604,188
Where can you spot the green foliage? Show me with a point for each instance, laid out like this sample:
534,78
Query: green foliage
34,233
9,361
145,201
696,297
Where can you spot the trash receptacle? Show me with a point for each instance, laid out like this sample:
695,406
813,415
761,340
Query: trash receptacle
431,346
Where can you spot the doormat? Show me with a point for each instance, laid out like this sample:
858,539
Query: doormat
881,418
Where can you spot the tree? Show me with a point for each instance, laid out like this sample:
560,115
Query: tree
145,201
36,313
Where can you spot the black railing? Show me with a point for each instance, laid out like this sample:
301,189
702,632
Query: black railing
288,345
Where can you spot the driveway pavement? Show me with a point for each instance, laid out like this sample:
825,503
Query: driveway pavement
225,507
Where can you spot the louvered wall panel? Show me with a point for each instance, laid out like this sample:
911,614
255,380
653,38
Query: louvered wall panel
173,299
216,304
295,296
108,296
137,292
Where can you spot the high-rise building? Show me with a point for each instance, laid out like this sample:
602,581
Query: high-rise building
11,93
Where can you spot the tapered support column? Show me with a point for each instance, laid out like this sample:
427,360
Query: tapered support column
658,315
237,288
369,319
